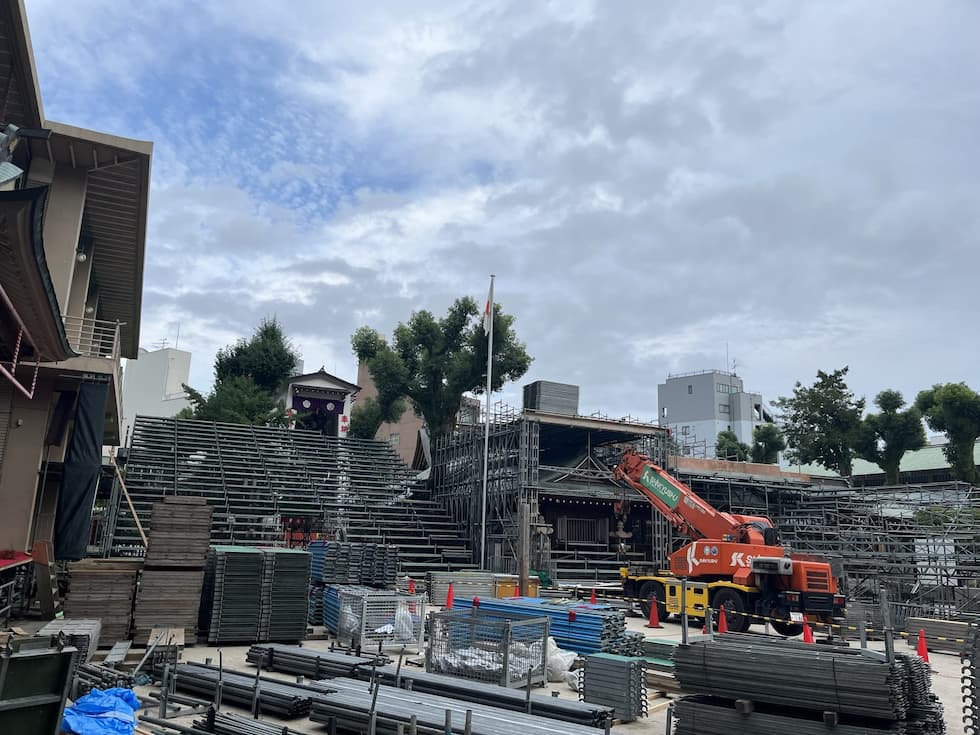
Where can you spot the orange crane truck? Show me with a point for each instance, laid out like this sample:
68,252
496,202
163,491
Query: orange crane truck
732,560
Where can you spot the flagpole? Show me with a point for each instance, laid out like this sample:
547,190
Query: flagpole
486,436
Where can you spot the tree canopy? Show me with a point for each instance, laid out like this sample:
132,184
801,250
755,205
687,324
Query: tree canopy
433,362
820,421
767,443
247,379
883,438
954,409
727,446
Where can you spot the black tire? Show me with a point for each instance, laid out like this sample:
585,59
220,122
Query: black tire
787,628
653,589
738,621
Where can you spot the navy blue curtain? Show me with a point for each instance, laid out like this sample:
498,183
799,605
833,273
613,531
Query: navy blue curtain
82,469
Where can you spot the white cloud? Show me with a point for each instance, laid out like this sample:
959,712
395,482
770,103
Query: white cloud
649,181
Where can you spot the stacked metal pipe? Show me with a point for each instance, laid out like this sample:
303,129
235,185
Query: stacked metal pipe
352,704
226,723
579,627
275,697
707,716
308,662
789,674
617,682
565,710
89,676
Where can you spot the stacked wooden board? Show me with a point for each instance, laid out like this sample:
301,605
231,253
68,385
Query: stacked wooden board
103,589
169,593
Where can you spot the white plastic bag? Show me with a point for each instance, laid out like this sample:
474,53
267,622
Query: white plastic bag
403,624
559,661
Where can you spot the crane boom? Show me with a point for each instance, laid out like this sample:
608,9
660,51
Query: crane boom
685,509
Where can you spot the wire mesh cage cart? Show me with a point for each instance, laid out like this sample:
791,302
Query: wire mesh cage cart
371,618
499,648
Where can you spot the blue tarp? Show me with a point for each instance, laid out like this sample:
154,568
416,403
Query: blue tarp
109,712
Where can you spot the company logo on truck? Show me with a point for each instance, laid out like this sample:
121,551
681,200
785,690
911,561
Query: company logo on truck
653,482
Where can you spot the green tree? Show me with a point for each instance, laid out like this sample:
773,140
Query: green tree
248,376
433,362
267,357
883,438
767,443
365,419
954,409
727,446
237,400
820,421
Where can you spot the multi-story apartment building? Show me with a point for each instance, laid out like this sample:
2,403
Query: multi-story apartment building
153,385
702,404
73,206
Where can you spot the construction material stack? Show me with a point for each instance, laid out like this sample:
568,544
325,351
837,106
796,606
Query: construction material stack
576,626
170,587
773,686
283,607
616,682
969,685
82,635
232,594
948,636
354,563
103,589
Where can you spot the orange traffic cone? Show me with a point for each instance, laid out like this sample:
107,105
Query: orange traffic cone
449,597
807,631
922,649
592,599
722,620
654,621
517,592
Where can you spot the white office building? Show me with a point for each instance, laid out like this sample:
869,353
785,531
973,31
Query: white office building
153,385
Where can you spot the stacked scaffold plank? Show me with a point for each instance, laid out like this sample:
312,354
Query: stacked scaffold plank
284,603
616,682
337,562
580,627
351,705
858,687
232,594
941,635
103,589
169,593
314,604
80,634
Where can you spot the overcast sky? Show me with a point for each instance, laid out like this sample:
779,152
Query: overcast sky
650,181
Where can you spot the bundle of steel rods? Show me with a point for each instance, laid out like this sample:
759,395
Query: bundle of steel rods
617,682
226,723
308,662
95,676
276,697
352,705
707,716
566,710
788,673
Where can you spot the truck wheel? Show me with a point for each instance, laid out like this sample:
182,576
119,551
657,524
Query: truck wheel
787,628
653,589
738,621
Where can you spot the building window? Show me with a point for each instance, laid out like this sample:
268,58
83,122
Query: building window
724,408
685,430
663,412
393,439
690,390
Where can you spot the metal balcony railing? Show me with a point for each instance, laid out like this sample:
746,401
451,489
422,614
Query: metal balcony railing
93,337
